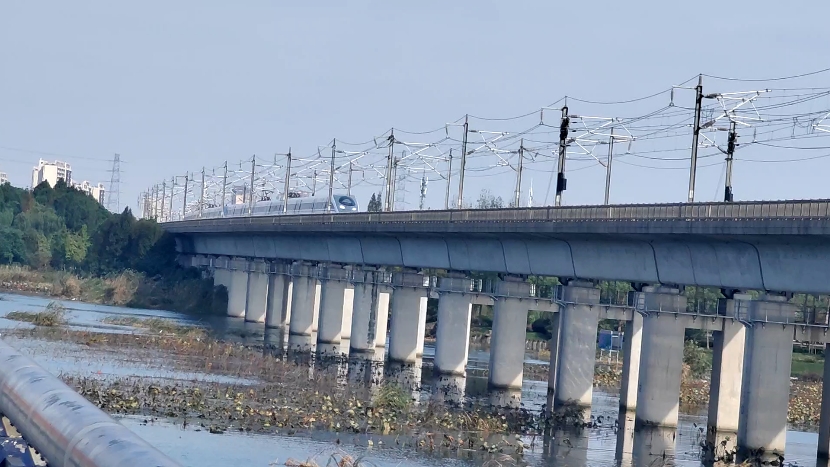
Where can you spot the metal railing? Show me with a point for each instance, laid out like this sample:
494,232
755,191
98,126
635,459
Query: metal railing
809,209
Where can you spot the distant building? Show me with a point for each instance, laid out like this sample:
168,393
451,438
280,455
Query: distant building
3,178
96,191
51,172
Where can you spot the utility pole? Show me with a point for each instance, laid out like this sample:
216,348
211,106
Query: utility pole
730,150
314,184
518,196
695,135
172,194
349,187
449,175
463,163
224,187
184,199
163,196
287,182
423,191
330,203
202,196
608,167
561,181
387,203
251,196
394,183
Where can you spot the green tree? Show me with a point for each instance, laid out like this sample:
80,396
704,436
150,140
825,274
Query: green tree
12,248
486,200
375,204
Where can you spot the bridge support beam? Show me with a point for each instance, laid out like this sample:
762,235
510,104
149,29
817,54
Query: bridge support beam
824,420
238,290
409,317
257,293
727,376
577,347
336,301
766,385
278,312
661,361
452,340
507,345
370,312
303,297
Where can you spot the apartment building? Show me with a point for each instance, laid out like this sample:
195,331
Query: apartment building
96,191
51,172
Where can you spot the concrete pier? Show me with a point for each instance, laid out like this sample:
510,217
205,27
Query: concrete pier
221,273
409,317
507,345
577,345
452,342
766,384
553,370
257,293
632,350
727,377
824,420
238,290
370,312
302,301
280,288
661,361
336,300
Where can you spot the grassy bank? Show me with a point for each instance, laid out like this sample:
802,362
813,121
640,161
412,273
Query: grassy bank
185,292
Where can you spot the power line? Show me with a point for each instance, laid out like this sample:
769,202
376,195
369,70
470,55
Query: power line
756,80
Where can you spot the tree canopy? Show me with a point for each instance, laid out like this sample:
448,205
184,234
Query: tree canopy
64,228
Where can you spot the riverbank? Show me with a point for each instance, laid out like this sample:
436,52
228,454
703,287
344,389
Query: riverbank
182,292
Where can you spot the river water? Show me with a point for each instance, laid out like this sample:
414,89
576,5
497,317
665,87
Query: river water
191,447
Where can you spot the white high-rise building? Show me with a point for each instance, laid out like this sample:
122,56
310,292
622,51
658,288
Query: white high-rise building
96,191
51,172
3,178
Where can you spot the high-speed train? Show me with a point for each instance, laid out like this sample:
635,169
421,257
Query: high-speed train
341,204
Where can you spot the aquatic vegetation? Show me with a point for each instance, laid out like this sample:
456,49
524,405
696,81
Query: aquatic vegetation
52,315
157,325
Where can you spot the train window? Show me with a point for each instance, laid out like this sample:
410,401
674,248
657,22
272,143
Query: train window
346,201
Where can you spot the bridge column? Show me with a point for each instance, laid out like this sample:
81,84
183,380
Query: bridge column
766,385
661,361
370,312
452,340
577,346
257,293
409,317
302,300
632,349
507,345
278,311
238,290
727,375
824,420
221,272
336,300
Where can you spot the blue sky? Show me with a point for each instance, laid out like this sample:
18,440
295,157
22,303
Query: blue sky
174,86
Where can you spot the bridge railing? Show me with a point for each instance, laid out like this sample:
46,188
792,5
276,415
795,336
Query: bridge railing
810,209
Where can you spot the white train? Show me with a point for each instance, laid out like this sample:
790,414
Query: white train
303,205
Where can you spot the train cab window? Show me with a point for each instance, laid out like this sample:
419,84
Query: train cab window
346,201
